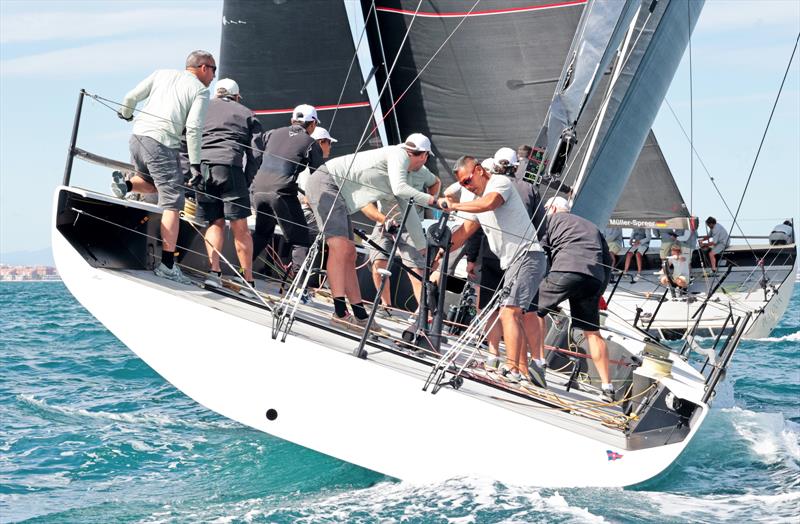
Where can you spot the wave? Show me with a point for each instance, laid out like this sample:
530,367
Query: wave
791,337
770,436
746,507
139,419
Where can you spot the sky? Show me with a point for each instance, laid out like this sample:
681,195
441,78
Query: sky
50,50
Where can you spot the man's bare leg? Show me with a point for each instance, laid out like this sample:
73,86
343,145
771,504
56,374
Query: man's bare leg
214,240
534,334
339,254
628,257
599,352
510,317
140,185
494,335
638,262
386,294
243,242
170,225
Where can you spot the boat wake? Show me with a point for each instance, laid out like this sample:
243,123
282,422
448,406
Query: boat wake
791,337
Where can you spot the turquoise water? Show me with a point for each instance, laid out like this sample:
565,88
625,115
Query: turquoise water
89,433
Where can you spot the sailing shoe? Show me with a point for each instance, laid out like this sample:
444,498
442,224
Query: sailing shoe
537,374
213,279
635,278
509,376
491,364
608,394
306,296
348,322
118,186
175,274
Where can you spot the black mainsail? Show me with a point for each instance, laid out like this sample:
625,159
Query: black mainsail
280,63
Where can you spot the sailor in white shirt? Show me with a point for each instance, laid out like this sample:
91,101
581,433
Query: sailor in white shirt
176,100
499,211
679,264
782,234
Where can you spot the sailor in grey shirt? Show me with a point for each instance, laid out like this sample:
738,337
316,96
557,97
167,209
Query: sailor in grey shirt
175,100
715,242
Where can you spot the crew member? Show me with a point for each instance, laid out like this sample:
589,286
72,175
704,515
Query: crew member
176,100
679,265
230,148
714,242
499,211
782,234
640,241
613,236
342,187
579,272
287,152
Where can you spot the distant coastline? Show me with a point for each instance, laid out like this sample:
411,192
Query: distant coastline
10,273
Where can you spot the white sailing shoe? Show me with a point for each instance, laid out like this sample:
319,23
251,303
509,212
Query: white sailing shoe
118,186
175,274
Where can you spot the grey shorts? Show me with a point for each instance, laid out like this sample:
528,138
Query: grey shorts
526,274
328,205
718,248
410,256
160,166
641,248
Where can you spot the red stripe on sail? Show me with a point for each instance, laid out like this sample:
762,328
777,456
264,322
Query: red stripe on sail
488,12
318,108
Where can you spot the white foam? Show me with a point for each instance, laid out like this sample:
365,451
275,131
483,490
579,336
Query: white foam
746,507
770,436
791,337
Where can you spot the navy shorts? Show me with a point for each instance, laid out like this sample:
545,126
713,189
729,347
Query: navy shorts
225,195
583,293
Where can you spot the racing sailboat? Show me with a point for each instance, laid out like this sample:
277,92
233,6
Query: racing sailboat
415,411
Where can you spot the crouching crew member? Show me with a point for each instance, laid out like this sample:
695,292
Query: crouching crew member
287,152
579,272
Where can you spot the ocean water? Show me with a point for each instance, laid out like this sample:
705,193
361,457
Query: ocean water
89,433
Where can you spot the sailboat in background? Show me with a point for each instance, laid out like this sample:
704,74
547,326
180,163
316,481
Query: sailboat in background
416,413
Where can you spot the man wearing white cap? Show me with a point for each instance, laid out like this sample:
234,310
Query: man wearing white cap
231,135
580,268
287,152
345,185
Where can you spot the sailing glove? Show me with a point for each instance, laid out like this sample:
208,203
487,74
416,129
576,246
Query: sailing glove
199,176
126,118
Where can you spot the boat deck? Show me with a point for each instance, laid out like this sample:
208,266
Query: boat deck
577,410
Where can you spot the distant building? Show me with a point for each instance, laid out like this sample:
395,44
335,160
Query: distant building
32,273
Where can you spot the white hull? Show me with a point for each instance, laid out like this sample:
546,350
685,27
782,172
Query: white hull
372,412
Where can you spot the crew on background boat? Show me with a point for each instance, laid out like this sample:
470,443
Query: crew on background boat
640,241
715,242
782,234
231,137
499,211
613,236
341,188
667,237
287,152
679,267
176,100
386,214
579,272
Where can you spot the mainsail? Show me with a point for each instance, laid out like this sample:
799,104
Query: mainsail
490,84
279,63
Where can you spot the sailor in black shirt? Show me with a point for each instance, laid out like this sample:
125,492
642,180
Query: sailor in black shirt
287,152
230,148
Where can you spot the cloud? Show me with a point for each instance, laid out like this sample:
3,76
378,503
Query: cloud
731,15
71,25
109,57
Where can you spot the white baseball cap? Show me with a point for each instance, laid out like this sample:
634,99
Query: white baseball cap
507,154
557,202
488,164
417,142
305,113
228,85
320,133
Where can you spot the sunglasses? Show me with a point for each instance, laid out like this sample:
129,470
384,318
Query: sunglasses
467,181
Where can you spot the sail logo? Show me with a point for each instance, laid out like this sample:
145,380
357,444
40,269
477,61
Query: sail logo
613,455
